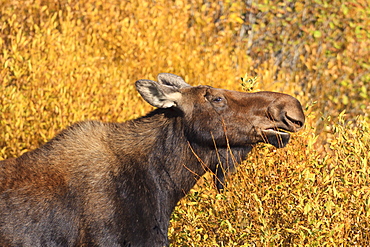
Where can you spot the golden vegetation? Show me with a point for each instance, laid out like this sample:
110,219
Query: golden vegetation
66,61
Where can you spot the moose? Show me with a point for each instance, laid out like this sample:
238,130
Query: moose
116,184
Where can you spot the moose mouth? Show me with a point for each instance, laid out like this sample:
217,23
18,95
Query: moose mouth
276,136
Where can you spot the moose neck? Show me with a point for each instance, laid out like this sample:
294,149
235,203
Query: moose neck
170,158
164,164
174,160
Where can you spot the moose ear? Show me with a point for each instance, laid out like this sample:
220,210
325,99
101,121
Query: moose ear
159,95
172,80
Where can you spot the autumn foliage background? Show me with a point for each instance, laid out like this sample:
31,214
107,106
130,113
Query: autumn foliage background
63,61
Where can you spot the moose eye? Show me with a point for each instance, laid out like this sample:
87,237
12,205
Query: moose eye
217,99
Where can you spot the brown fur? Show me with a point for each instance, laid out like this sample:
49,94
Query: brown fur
116,184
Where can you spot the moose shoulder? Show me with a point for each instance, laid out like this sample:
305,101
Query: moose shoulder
116,184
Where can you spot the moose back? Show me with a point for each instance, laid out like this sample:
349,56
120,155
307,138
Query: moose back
116,184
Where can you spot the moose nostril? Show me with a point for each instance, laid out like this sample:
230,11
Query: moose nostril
295,122
293,118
